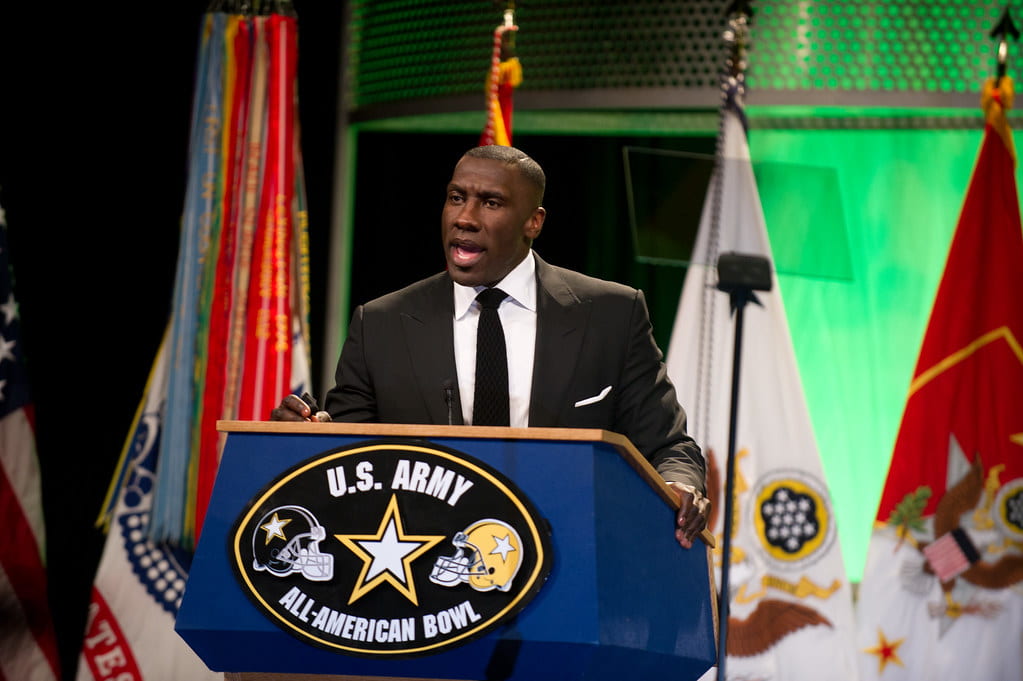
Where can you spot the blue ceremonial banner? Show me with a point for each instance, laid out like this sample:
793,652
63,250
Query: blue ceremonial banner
201,201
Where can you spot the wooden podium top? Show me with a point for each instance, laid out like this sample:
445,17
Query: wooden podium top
624,446
413,430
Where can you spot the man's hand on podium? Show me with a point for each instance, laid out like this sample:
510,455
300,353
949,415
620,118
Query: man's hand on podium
293,408
693,512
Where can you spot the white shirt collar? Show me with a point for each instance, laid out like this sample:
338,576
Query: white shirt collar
519,284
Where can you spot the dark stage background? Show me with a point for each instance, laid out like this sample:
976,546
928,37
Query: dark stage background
96,103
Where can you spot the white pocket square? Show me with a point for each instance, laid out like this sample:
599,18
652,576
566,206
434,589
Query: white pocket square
596,398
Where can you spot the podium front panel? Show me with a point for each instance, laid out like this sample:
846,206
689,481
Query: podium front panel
621,600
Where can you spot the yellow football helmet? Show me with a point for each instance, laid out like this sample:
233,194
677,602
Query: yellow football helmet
488,556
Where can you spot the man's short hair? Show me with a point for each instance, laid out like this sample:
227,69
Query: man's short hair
529,168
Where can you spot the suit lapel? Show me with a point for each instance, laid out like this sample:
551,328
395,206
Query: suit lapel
429,338
560,327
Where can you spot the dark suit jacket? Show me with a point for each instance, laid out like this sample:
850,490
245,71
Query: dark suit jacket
590,334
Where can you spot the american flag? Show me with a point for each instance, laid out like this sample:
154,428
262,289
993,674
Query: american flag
28,649
951,554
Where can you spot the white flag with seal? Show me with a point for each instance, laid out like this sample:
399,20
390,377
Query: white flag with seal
790,607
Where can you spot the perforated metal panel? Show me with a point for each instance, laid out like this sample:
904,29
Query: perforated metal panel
934,46
408,50
666,54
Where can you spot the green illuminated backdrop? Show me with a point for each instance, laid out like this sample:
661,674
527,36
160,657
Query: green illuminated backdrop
857,339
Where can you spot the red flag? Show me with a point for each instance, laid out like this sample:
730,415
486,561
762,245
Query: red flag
268,348
505,75
972,340
958,460
28,648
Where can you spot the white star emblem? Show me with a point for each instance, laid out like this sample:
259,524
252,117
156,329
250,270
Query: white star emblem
275,528
387,555
503,546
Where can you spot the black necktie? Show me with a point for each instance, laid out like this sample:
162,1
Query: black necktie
490,405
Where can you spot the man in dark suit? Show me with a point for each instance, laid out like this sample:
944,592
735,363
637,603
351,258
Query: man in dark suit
580,351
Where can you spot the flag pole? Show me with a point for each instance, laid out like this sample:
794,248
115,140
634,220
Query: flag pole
739,275
505,75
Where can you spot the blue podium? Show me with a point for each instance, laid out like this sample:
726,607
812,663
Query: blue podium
444,552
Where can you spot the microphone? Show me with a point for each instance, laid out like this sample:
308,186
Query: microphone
449,398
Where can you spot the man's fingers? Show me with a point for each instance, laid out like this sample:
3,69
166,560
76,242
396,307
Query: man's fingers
291,409
693,511
296,404
691,522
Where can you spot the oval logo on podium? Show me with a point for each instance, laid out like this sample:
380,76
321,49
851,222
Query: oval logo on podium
390,549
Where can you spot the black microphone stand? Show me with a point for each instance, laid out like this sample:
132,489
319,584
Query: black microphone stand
738,275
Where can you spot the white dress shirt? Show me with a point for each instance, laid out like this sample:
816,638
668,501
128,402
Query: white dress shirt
518,317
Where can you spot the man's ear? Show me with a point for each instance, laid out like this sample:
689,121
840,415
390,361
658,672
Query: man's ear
535,223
